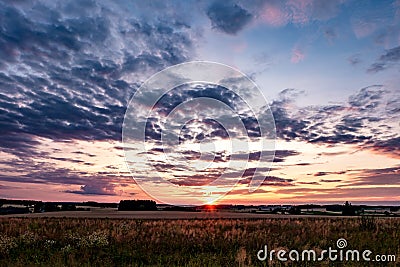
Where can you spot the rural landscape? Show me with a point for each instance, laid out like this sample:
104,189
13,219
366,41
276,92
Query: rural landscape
186,242
199,133
142,233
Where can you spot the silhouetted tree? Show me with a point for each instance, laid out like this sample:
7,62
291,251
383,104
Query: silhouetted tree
137,205
38,207
348,209
294,210
68,207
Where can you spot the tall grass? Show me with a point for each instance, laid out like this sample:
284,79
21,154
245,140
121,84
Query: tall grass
188,242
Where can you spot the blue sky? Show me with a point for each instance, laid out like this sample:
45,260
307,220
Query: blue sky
329,71
325,57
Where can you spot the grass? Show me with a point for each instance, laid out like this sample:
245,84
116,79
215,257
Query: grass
185,242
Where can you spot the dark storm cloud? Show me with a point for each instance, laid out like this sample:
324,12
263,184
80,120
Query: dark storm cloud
228,17
386,60
68,75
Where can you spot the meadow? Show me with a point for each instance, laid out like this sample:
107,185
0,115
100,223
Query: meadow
186,242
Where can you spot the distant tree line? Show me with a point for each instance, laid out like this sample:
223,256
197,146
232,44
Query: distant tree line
130,205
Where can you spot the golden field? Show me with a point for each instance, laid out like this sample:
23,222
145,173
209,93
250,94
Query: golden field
186,242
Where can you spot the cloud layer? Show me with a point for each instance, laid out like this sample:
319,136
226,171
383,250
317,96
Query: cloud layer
68,70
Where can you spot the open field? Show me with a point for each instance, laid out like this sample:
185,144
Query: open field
186,242
113,213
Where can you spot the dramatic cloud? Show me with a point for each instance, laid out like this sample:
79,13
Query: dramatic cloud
228,17
66,76
287,126
368,118
67,71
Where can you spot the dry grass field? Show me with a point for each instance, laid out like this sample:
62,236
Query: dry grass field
185,242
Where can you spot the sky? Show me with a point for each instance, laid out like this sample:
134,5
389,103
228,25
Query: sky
329,72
